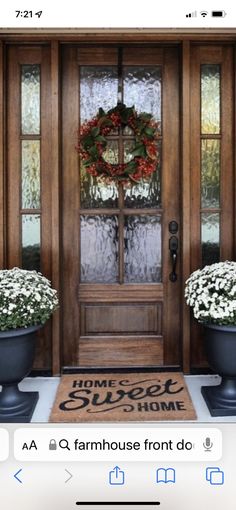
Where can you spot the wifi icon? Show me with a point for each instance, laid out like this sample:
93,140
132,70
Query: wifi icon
203,13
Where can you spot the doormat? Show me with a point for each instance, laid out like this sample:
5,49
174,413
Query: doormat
122,397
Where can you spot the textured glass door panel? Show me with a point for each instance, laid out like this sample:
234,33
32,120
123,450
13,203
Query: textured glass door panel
145,193
98,88
99,249
210,178
210,98
30,174
128,131
30,99
31,241
210,232
142,89
128,146
96,193
111,154
142,237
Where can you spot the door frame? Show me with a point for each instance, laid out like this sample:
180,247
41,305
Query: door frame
185,39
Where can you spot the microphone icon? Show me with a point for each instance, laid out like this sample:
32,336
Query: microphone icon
207,444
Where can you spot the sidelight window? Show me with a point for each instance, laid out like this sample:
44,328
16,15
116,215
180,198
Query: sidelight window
30,166
210,162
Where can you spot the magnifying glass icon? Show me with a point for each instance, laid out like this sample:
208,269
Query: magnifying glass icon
64,444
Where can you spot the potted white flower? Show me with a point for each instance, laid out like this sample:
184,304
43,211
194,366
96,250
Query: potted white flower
26,303
211,292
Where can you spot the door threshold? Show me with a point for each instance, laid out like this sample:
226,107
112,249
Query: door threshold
119,370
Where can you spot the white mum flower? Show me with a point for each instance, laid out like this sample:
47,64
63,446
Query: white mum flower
21,293
211,293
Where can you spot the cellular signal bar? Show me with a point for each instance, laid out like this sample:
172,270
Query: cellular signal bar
191,14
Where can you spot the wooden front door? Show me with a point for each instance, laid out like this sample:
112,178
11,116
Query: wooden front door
120,307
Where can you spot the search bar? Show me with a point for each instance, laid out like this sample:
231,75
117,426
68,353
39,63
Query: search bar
130,444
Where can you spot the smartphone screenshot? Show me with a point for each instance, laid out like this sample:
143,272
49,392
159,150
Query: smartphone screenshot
117,255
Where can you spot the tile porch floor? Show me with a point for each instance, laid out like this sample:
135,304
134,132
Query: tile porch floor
47,387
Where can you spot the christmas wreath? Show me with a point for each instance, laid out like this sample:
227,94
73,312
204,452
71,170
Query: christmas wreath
93,143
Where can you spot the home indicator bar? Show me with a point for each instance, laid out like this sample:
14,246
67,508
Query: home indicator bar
120,503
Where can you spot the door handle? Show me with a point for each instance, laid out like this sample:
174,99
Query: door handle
173,247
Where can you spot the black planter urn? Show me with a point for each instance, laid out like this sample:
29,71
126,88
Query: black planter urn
17,348
220,342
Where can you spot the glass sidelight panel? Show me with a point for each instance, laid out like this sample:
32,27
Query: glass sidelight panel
99,249
142,255
30,174
210,162
142,88
30,99
210,234
30,166
210,178
210,98
31,241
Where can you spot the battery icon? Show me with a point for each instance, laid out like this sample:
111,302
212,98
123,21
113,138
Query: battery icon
218,14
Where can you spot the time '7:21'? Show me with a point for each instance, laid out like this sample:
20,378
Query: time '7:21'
28,14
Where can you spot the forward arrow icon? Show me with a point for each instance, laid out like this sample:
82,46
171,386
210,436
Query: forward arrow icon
70,476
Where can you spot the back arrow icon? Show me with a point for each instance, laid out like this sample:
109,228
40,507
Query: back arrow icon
70,476
16,477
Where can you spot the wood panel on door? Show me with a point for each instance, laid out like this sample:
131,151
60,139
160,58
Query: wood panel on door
119,306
